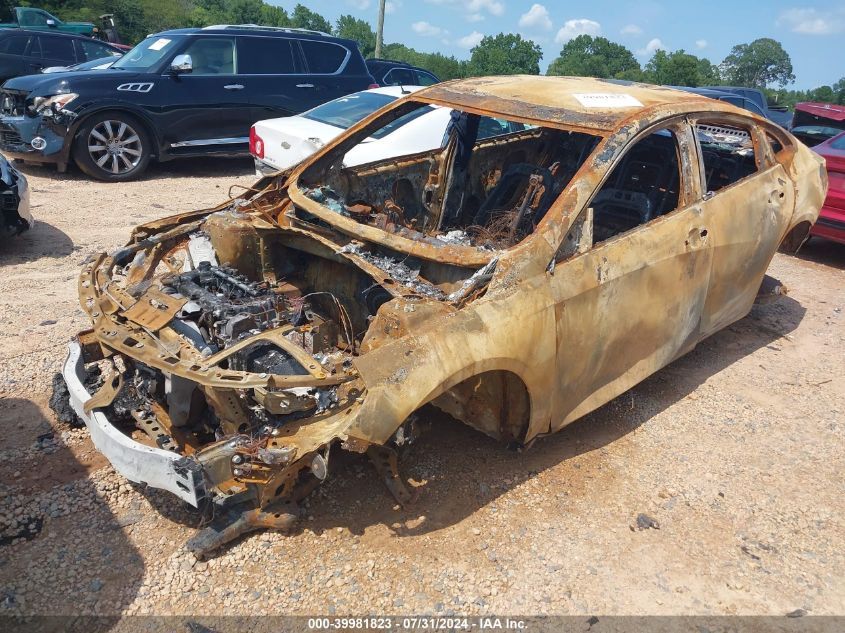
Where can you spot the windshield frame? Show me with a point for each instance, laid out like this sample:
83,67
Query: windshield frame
462,255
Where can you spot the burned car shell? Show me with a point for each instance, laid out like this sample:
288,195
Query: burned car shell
14,201
516,342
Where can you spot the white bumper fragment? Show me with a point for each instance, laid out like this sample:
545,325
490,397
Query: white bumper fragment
139,463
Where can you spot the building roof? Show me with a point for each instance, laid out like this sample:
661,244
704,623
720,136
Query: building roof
573,101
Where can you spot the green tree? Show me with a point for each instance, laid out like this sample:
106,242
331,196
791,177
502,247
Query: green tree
505,54
305,18
758,64
444,67
679,69
839,91
359,30
588,56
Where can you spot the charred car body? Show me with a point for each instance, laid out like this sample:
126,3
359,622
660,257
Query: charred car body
516,282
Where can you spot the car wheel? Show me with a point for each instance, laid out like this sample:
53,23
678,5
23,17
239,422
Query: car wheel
113,147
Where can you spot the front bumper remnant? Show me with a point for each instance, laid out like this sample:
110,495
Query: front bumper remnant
139,463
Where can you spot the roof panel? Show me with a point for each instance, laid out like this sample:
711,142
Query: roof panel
578,101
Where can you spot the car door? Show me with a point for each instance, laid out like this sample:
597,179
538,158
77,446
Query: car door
13,56
747,205
273,70
632,302
51,50
206,109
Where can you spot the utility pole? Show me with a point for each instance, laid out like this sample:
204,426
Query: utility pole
380,30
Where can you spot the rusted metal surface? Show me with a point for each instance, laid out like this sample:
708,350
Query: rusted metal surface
334,302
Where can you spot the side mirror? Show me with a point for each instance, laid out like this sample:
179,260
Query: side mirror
181,64
51,23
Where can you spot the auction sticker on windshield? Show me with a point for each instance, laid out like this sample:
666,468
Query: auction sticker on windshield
607,100
159,44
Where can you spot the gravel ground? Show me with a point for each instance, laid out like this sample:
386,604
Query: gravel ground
714,487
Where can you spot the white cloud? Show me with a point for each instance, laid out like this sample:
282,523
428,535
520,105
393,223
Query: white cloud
471,40
574,28
475,9
493,7
701,43
537,18
652,47
361,5
813,21
392,6
631,29
427,30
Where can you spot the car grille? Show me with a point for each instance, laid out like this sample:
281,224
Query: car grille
9,137
12,103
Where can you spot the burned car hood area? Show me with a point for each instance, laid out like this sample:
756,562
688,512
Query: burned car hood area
518,277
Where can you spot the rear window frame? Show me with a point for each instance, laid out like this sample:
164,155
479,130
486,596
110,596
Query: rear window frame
307,66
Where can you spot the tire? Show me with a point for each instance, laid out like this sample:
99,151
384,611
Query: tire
112,147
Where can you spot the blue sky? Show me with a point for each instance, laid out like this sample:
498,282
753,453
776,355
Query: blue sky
810,31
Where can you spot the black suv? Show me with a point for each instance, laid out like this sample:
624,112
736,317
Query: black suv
387,72
185,92
26,52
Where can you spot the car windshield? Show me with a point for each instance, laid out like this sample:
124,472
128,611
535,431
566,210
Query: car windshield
148,53
496,179
347,111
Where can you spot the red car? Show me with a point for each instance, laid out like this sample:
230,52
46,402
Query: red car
831,222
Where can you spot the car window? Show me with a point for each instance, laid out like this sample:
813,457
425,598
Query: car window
402,120
91,49
148,53
488,127
643,186
838,143
34,18
748,104
774,144
212,56
14,44
347,111
322,57
400,76
425,79
265,56
727,152
57,48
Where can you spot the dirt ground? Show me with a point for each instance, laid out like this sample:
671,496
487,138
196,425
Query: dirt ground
733,453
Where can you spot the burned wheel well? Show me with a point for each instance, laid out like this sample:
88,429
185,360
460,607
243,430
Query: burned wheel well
795,238
496,403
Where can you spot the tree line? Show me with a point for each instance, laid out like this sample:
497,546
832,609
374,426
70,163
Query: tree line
759,64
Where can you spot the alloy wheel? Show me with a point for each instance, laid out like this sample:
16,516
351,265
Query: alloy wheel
115,146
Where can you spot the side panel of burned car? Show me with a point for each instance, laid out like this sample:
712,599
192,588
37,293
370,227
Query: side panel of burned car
747,212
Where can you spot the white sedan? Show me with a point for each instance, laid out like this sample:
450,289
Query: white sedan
277,144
